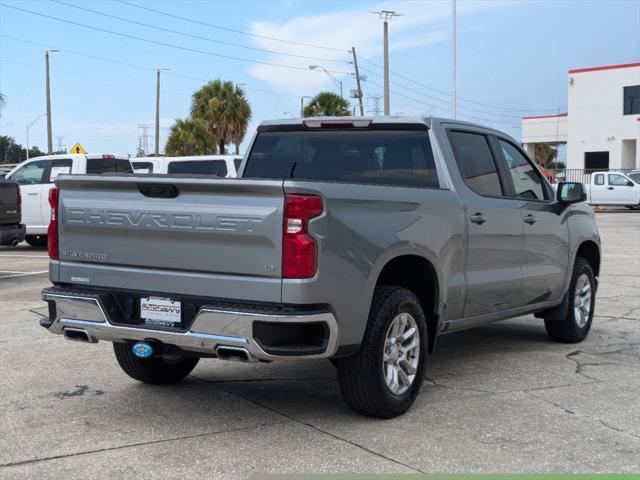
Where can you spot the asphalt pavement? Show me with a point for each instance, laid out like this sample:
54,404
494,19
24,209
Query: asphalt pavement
498,398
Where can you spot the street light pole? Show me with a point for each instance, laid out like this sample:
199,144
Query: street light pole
386,15
48,93
453,60
302,105
157,149
335,80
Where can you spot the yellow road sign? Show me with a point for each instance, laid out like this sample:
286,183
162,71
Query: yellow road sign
77,148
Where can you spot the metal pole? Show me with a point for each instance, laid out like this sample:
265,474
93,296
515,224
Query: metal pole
341,96
157,149
453,60
301,107
49,137
355,65
387,107
27,142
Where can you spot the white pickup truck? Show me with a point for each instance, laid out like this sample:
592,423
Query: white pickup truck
36,177
215,165
613,188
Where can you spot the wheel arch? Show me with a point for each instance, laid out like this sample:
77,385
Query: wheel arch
590,251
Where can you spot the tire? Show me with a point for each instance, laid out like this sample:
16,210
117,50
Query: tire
576,323
36,240
152,370
363,376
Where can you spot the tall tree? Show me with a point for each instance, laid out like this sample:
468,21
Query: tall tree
12,152
545,153
190,137
327,104
224,108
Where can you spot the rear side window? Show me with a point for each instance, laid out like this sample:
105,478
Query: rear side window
476,162
146,166
98,166
237,162
59,166
377,157
217,168
599,179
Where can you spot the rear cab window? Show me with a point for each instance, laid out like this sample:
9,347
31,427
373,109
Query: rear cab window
100,165
216,168
375,156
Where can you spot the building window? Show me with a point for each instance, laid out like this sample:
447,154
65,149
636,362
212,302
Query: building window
596,160
632,100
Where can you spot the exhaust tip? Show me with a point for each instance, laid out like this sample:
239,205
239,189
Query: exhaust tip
78,335
235,354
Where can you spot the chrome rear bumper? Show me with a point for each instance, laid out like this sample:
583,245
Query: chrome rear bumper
211,328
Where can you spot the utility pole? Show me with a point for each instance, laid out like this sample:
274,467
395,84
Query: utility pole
302,105
376,103
48,88
355,66
453,60
157,149
386,15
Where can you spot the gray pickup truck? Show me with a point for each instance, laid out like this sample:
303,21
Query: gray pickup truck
353,239
12,232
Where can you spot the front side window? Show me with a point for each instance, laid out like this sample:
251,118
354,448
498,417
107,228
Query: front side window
373,157
618,180
59,166
599,180
527,181
635,177
476,162
31,173
632,100
217,168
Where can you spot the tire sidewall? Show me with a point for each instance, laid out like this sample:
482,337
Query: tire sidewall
392,308
581,267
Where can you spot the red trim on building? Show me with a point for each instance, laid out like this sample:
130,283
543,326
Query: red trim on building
604,67
545,116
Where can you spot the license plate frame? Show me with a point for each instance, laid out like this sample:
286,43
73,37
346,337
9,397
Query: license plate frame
161,311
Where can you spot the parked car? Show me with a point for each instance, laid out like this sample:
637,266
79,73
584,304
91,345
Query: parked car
11,230
36,177
357,240
217,165
612,188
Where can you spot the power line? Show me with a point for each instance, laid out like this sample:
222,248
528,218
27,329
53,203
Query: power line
156,42
457,97
132,65
227,29
190,35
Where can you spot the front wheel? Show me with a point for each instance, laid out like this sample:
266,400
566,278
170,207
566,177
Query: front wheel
384,378
155,370
581,299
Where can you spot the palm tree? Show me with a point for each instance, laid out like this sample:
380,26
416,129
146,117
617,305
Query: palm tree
190,137
545,153
224,109
327,104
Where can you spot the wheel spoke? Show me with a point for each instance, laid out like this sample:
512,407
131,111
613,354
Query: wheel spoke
410,332
406,365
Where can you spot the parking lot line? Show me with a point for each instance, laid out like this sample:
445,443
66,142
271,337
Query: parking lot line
8,274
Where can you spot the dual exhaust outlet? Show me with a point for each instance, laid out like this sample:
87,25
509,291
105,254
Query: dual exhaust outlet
223,352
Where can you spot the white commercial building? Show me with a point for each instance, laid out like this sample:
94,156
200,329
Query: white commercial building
602,126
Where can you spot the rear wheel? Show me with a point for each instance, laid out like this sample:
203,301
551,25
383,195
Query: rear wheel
575,325
36,240
383,379
155,370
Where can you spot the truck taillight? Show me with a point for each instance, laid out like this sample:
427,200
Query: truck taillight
18,199
299,249
52,232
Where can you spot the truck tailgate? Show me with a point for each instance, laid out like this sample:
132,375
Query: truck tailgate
180,235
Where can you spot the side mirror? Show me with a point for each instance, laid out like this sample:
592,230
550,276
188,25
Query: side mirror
629,183
571,192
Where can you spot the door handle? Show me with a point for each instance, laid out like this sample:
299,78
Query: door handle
32,193
609,188
478,218
530,219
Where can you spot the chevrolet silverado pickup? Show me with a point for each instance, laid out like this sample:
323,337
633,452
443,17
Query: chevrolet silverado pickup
352,239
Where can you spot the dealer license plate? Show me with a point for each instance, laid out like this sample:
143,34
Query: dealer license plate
160,311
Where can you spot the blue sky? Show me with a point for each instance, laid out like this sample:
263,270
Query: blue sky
513,58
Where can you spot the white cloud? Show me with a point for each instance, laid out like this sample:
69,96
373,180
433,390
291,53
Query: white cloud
422,24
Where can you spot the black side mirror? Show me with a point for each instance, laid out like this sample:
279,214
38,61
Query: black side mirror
571,192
